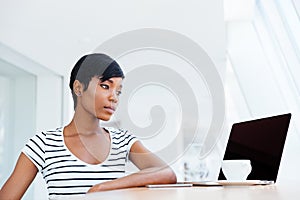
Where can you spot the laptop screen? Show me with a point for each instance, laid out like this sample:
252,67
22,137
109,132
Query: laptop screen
262,142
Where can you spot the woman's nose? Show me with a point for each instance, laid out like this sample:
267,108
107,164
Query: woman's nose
113,96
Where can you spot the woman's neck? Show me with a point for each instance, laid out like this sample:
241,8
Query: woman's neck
84,124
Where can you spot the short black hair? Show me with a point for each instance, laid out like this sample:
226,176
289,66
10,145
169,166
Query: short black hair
93,65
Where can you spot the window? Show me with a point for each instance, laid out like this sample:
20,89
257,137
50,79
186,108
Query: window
263,70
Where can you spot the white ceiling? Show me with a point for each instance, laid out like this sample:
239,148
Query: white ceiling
239,10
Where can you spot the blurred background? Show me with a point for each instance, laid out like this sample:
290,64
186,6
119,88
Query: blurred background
253,44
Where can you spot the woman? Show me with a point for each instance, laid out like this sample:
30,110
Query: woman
83,156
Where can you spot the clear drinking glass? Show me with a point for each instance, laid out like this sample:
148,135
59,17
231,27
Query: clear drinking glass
195,169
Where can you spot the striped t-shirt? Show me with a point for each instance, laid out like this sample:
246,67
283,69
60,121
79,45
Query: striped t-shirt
64,173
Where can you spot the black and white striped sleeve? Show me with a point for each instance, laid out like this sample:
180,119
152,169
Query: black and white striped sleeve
35,150
130,140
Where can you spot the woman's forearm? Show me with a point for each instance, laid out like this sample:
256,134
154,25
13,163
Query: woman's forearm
153,175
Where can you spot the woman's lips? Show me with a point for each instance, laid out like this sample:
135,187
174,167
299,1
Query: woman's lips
110,109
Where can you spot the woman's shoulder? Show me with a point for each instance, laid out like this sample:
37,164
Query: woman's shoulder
49,133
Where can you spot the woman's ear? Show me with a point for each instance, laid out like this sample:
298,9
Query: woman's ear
77,88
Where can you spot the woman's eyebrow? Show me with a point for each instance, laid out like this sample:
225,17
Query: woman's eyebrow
109,80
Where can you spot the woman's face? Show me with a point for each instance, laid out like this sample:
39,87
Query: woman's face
101,98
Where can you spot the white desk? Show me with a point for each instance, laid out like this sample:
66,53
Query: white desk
270,192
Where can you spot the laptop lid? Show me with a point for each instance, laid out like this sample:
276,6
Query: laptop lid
262,142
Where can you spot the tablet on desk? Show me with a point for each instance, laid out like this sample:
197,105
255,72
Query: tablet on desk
169,185
205,183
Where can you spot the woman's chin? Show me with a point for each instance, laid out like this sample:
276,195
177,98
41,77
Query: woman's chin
104,118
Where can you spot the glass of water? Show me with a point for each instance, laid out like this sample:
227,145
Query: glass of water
195,169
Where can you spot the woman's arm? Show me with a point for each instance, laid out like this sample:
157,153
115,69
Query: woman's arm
152,171
18,182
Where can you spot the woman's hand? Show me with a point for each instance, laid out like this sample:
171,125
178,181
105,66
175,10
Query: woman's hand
96,188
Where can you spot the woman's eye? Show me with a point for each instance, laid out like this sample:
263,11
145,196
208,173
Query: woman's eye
104,86
119,93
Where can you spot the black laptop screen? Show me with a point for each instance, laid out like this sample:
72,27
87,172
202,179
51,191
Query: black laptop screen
262,142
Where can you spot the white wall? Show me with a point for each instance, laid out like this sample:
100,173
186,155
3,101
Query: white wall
17,117
31,101
5,115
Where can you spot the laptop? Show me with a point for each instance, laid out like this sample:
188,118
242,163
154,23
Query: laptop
261,141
